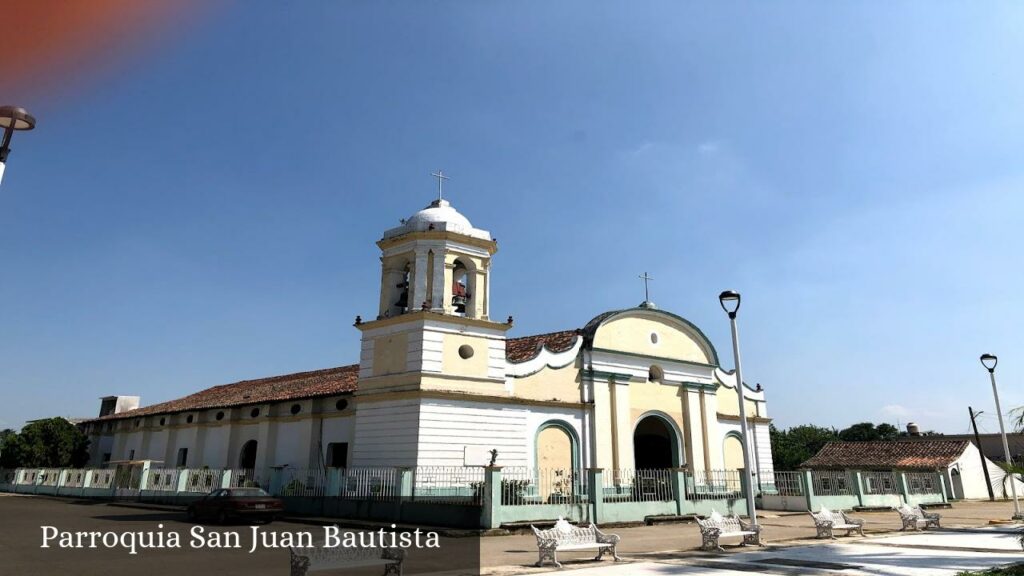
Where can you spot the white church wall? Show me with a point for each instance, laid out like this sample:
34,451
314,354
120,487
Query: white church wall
130,445
449,427
386,433
763,441
215,447
157,445
291,444
103,445
239,435
759,440
339,429
185,438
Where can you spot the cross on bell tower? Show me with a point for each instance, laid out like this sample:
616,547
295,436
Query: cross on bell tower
440,183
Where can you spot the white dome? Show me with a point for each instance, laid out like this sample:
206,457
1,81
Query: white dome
439,211
438,216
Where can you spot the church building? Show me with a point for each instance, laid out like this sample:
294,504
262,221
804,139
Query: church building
440,383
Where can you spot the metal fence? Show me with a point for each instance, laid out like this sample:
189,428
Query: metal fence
787,483
638,486
49,476
165,479
449,484
202,480
880,483
75,478
101,478
249,478
369,484
713,484
922,483
832,483
529,486
303,482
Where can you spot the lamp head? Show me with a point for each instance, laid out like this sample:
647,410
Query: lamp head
989,361
16,118
730,301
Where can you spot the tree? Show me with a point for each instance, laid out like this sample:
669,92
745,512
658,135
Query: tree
792,447
867,432
8,448
50,443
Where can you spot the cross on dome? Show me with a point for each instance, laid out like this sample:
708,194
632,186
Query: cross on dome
647,291
440,183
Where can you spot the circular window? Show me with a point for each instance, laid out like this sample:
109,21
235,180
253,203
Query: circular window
654,337
341,404
296,408
220,416
466,351
255,413
656,374
163,421
189,418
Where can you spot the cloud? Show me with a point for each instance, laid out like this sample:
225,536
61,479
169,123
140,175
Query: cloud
895,410
709,147
641,149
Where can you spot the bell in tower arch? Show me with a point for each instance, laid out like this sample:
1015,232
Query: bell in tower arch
403,293
460,292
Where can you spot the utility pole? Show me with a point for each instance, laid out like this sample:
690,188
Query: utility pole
984,461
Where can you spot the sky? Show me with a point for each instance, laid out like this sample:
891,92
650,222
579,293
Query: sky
200,199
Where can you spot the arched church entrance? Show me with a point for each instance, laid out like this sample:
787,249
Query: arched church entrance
655,444
247,457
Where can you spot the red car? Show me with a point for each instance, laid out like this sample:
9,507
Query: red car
236,503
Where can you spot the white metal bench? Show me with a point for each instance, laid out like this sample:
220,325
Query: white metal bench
717,526
304,560
565,536
826,521
915,518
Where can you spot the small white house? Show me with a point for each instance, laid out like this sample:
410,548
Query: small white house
967,477
959,461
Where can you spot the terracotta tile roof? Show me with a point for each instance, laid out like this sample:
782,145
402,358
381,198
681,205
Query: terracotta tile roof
901,454
274,389
528,347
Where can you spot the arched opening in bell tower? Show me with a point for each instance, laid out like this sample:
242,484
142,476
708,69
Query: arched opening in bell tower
462,288
402,288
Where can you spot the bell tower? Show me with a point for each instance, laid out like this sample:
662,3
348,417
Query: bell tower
433,329
437,261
